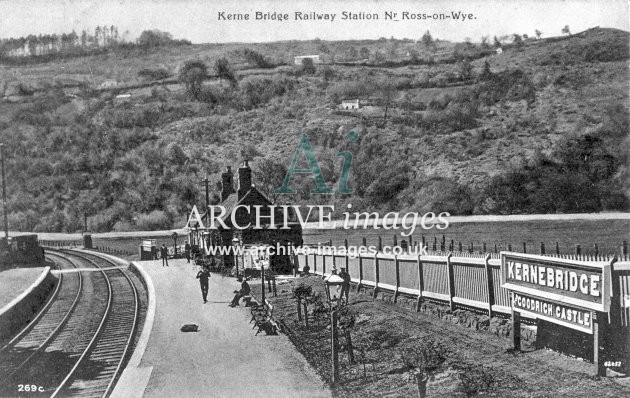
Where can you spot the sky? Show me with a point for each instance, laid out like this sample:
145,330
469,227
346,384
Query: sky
199,21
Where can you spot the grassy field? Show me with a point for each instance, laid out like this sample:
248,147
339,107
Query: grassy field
607,234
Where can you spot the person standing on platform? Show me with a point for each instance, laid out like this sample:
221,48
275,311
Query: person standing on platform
164,255
187,251
203,276
345,287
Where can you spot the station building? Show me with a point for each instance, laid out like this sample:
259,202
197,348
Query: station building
246,194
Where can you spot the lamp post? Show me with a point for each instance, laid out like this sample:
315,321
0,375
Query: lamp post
4,197
174,236
236,242
333,292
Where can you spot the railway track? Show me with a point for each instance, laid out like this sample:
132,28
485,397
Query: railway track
78,344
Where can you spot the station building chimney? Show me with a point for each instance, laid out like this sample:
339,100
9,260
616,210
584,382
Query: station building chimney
244,180
227,183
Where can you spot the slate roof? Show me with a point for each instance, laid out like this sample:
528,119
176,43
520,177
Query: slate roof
232,201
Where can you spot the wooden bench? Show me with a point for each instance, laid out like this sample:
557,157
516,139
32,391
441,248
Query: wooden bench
262,316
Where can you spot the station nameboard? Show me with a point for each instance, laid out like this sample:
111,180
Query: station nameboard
569,316
558,282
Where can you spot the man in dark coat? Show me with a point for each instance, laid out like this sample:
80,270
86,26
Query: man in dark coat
245,290
345,287
187,251
164,255
203,276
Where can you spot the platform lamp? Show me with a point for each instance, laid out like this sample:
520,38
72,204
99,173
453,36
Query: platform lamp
174,236
333,294
237,243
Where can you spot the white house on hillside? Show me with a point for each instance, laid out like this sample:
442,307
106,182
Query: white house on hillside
108,84
349,104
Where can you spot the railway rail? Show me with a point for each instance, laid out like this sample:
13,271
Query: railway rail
78,343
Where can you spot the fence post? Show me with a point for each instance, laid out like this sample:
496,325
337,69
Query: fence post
542,248
380,244
397,279
423,241
410,242
624,248
375,274
360,272
420,284
364,242
435,243
470,248
596,249
524,247
451,282
460,246
557,248
395,240
509,247
490,285
484,247
451,246
495,248
578,249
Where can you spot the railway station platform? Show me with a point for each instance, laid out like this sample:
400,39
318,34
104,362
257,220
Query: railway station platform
15,281
224,358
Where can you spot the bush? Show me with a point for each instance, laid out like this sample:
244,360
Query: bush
154,74
423,356
156,220
475,379
255,91
511,85
256,59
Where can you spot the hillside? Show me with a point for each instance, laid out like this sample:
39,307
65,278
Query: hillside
540,128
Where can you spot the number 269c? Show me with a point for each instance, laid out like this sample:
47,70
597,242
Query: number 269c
30,388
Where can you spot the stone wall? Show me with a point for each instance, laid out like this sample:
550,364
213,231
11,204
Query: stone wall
499,326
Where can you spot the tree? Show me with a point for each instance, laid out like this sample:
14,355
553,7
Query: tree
270,176
364,53
347,319
308,66
465,70
486,74
300,293
387,91
538,34
154,38
566,30
223,70
518,40
192,75
422,359
484,42
427,39
497,43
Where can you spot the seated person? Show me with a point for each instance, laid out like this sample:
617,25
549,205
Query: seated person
245,290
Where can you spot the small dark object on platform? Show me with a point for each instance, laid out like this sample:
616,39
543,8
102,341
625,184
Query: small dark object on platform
190,327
